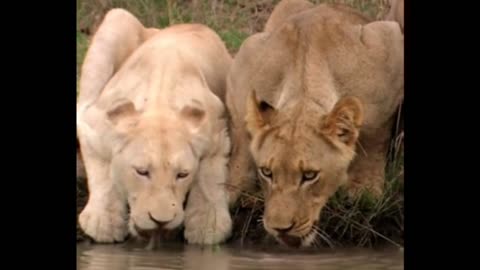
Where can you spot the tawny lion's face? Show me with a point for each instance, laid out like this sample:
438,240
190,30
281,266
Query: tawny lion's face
301,164
297,179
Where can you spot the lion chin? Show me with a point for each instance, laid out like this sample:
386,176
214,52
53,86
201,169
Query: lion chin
296,241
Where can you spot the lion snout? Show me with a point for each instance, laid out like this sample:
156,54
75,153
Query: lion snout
159,222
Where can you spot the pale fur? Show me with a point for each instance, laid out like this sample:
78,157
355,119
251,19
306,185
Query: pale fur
316,91
153,99
396,12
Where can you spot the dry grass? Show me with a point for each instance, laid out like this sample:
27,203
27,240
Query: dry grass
364,222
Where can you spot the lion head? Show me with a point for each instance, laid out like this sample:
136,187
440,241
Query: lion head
302,159
155,160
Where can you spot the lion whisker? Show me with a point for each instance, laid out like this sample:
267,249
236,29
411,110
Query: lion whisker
322,235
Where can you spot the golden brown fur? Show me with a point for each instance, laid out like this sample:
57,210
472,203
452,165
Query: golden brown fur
302,97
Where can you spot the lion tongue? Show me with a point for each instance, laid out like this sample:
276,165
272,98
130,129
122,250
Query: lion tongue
290,240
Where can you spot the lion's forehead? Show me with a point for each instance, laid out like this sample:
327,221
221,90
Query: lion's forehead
297,150
298,134
163,149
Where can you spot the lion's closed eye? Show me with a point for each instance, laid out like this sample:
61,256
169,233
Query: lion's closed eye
182,175
141,171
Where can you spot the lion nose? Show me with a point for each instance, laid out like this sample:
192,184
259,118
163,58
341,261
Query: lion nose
284,230
159,223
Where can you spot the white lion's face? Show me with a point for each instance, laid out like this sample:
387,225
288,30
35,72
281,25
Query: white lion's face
156,170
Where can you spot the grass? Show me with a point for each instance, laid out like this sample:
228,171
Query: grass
364,222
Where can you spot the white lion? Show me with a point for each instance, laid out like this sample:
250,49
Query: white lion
152,128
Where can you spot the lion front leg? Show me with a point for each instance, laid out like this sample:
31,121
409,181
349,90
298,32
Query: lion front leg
207,217
241,174
367,171
104,217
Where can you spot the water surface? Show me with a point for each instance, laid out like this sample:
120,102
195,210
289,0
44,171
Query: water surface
178,256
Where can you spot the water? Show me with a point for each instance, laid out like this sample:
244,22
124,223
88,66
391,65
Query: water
133,257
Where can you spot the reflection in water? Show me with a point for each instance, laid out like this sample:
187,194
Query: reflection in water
131,257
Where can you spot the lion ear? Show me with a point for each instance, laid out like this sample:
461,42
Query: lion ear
123,115
194,116
342,124
259,113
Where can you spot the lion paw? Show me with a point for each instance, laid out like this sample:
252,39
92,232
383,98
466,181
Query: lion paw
104,225
208,226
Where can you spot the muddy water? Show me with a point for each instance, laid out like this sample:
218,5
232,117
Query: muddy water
132,257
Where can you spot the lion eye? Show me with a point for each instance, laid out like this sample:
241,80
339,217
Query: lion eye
309,176
142,172
182,175
266,172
